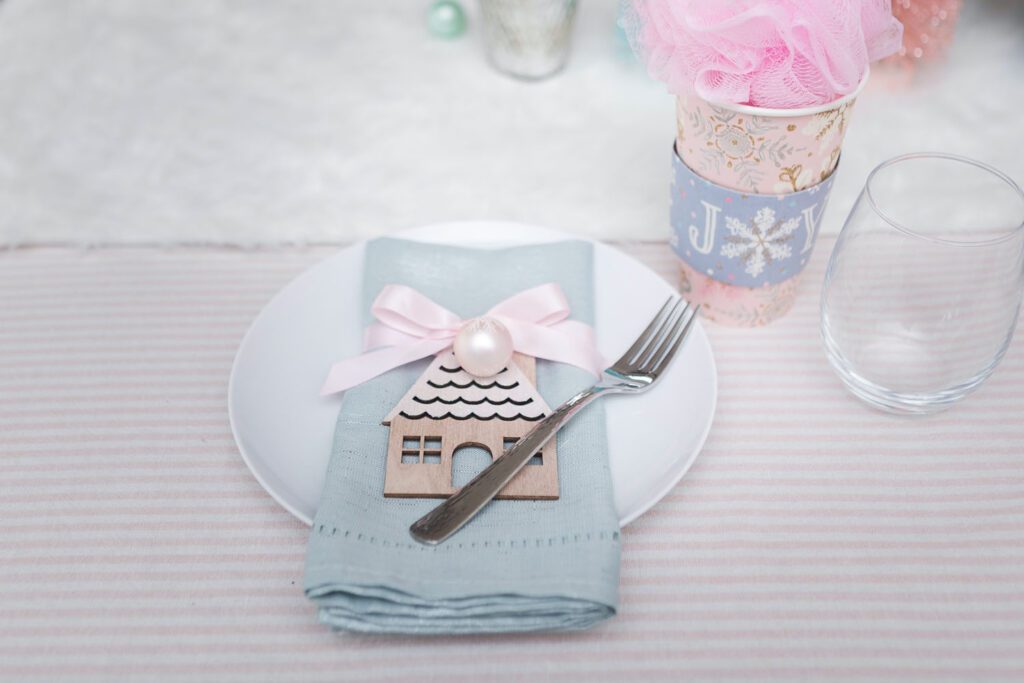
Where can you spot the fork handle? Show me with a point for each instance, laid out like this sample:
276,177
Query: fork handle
452,514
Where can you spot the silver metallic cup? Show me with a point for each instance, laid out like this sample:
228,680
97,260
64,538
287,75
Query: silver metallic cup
528,39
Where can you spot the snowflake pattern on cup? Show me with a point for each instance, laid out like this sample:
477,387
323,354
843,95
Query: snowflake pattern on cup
761,241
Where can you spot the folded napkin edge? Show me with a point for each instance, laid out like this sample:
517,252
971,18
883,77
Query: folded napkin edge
326,528
413,625
321,583
315,589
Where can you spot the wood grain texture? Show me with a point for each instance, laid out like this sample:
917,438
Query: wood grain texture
421,450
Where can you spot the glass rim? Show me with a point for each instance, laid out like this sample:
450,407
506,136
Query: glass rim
1010,234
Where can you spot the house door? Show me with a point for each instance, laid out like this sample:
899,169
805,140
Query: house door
468,460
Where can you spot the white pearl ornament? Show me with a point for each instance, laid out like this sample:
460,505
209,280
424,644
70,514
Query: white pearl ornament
483,347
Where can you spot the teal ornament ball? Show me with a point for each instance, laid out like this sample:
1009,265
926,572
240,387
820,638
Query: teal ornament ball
446,19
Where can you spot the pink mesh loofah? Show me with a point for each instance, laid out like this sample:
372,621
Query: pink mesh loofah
781,54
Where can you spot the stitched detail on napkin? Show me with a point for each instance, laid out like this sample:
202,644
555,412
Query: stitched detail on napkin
328,530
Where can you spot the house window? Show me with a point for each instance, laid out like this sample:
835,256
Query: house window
421,449
509,441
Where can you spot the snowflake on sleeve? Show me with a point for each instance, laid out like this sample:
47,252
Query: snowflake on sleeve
760,243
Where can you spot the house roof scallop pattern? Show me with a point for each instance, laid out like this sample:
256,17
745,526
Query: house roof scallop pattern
446,391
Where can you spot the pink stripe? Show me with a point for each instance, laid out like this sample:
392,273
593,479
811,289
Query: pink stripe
169,387
834,482
98,468
690,545
149,289
738,366
650,518
861,415
287,554
287,523
792,496
137,451
292,542
665,509
713,465
819,578
85,322
125,496
170,373
768,559
547,651
672,670
951,605
717,524
754,601
635,606
147,260
538,655
837,448
736,661
832,568
113,478
686,545
147,594
222,434
146,297
90,362
179,331
156,419
126,411
754,397
632,537
259,504
185,574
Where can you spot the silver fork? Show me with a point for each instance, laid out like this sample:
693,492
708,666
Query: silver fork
638,369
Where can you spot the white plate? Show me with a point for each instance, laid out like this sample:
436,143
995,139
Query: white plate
284,429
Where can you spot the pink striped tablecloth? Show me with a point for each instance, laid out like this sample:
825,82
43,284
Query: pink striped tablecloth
813,539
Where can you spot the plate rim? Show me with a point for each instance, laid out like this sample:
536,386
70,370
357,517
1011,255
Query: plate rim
417,233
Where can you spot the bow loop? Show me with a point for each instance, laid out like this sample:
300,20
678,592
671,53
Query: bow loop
406,310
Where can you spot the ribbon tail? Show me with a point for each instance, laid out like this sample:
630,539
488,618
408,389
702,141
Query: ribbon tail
379,335
350,372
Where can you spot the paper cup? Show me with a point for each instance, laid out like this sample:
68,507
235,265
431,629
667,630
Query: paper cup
760,151
755,149
741,253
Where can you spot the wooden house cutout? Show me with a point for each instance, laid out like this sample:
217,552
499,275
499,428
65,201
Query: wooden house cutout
448,409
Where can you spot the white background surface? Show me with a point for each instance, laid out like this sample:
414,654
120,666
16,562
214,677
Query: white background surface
326,121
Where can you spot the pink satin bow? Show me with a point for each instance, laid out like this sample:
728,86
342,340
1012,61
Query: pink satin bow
411,327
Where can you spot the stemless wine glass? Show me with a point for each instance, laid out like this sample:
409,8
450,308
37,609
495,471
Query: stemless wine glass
923,288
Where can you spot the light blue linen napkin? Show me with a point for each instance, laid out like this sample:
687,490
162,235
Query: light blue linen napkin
519,565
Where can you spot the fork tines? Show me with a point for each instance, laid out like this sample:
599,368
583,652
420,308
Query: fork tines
656,346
